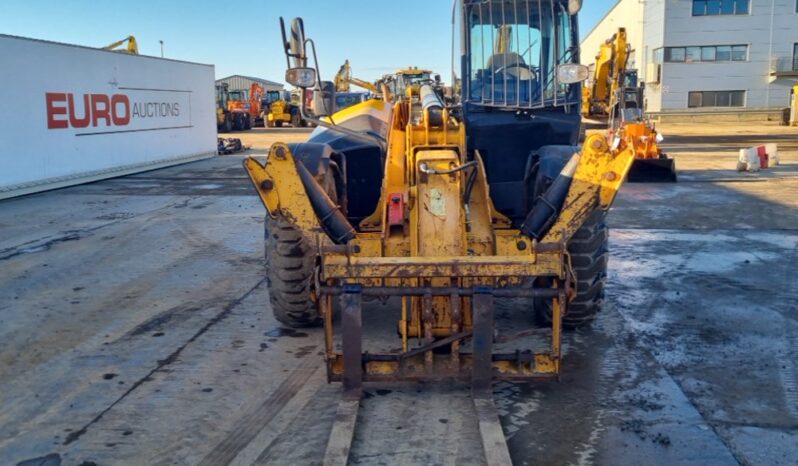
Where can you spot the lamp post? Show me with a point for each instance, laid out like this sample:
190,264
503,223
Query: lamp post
161,48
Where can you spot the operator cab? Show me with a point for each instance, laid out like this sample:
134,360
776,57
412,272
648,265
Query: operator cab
408,77
272,96
519,82
238,95
511,50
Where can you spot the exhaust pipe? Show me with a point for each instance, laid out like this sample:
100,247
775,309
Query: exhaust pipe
546,207
330,217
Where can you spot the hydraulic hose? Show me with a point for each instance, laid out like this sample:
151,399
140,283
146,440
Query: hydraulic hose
546,207
332,220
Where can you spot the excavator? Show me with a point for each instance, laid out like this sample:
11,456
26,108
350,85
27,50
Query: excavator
344,79
441,210
246,106
132,46
387,87
230,114
615,94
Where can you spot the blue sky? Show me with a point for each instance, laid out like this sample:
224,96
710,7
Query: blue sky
243,37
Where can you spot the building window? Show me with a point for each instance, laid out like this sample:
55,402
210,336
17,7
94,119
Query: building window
674,54
716,99
658,54
693,54
795,56
720,7
708,53
739,52
712,53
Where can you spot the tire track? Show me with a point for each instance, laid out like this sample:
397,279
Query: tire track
253,423
47,242
75,435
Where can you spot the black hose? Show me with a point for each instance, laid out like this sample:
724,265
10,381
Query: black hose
330,217
546,208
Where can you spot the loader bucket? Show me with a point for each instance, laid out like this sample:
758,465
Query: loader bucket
661,170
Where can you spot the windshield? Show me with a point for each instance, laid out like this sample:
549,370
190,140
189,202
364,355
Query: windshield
237,95
411,79
513,49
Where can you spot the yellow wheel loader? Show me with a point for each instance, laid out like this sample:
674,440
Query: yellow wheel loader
446,208
283,108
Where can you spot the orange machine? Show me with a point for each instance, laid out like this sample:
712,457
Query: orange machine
250,103
650,164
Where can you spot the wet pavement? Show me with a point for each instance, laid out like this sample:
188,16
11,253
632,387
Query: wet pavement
135,329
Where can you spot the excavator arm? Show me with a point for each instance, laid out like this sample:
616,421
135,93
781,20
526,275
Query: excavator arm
132,45
344,78
608,75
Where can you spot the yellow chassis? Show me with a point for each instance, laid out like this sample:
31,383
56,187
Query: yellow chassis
447,264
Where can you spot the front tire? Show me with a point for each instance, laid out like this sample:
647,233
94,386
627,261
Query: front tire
290,264
589,256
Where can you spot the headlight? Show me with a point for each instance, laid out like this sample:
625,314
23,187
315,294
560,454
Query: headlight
571,73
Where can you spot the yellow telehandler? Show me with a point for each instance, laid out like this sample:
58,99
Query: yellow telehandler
446,207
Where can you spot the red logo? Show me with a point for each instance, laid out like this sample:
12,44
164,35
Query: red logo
91,110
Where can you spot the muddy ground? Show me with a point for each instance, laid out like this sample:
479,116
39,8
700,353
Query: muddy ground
135,329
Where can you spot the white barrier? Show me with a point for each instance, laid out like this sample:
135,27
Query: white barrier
753,159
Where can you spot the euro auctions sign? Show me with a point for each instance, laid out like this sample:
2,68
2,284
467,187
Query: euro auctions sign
129,110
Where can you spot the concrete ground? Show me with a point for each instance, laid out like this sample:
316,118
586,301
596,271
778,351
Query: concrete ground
135,329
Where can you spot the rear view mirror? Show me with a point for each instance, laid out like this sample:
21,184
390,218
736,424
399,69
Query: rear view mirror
301,77
324,99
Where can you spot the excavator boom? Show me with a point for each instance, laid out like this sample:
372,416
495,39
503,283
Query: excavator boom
344,78
615,94
132,46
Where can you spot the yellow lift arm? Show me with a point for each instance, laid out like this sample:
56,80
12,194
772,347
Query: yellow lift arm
132,46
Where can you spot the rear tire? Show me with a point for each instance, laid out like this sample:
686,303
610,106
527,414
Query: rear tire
589,255
278,123
290,263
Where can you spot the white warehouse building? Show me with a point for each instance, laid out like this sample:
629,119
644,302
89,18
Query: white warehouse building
727,59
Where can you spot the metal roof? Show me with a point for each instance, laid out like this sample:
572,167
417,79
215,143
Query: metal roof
265,82
100,49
